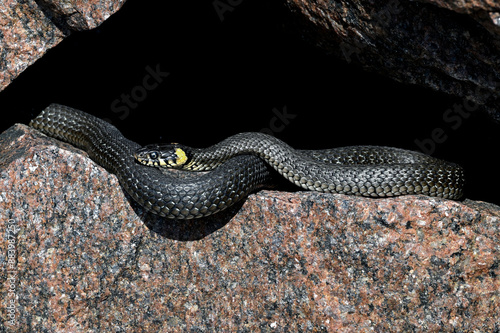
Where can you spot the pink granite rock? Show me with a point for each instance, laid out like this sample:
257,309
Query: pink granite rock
78,256
448,46
28,28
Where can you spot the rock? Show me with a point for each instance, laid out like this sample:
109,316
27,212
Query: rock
28,29
414,42
79,256
485,12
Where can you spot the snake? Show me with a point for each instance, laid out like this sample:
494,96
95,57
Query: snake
242,164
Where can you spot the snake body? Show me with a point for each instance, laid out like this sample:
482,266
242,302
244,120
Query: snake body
242,163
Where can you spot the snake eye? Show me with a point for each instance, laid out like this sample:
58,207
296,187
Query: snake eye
153,155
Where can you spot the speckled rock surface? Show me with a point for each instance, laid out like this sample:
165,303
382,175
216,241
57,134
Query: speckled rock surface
78,256
29,28
449,46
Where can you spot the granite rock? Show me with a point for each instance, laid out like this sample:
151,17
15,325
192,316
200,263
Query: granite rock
485,12
79,256
449,46
29,28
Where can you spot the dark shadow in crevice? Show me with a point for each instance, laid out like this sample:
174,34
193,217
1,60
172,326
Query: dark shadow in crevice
64,21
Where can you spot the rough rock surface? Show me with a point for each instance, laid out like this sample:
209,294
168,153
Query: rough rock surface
449,46
77,255
29,28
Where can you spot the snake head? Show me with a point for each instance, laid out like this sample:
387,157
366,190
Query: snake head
163,156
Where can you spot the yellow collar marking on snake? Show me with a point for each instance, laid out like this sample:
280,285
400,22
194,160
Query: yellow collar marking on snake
181,156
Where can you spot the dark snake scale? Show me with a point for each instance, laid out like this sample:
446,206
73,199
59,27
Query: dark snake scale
243,163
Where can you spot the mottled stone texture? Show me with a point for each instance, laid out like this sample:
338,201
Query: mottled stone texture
449,46
85,259
29,28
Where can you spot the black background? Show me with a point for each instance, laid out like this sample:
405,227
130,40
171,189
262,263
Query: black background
227,76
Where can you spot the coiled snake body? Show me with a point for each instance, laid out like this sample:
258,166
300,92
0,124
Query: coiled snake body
242,163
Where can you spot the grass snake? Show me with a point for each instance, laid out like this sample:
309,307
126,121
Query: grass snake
242,164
